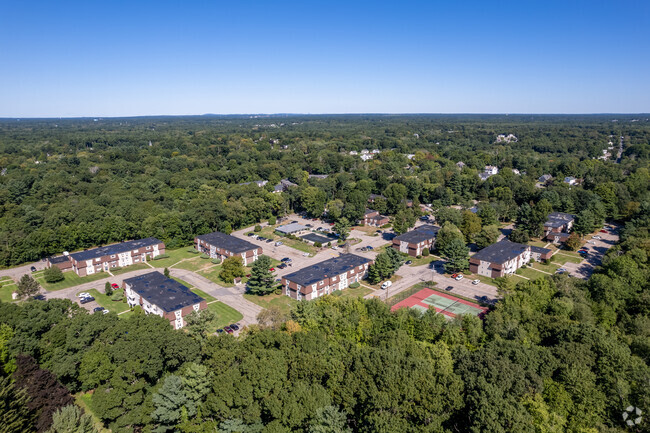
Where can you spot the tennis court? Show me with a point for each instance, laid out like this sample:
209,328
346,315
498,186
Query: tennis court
448,305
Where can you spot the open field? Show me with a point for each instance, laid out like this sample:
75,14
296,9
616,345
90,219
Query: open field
174,257
134,267
282,302
422,260
530,273
550,267
377,286
6,290
195,264
565,256
71,279
225,314
359,292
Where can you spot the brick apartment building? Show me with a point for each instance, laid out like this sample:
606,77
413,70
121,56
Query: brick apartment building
159,295
539,254
558,226
105,258
415,241
221,246
499,259
374,219
325,277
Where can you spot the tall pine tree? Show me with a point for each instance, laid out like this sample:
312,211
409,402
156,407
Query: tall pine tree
261,280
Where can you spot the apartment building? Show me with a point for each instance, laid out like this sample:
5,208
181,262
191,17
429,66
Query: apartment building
539,254
325,277
415,241
558,226
100,259
221,246
162,296
374,219
499,259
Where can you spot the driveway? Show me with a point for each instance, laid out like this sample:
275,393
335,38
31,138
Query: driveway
596,251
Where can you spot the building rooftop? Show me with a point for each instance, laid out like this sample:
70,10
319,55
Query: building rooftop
558,219
328,268
58,259
227,242
540,250
323,239
168,294
500,252
291,228
419,234
109,250
369,211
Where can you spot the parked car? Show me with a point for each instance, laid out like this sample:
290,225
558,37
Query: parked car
269,240
448,288
98,309
115,286
561,270
220,331
334,247
261,238
84,295
408,262
248,234
293,222
308,225
272,269
33,269
105,311
248,275
86,300
235,327
370,248
454,276
386,284
364,249
597,237
228,329
458,277
604,231
282,266
286,259
475,282
278,243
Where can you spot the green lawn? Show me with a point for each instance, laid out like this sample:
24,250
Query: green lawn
422,260
6,290
377,286
538,243
212,274
359,292
564,257
225,314
204,295
194,264
5,278
530,273
550,267
108,303
174,257
134,267
482,278
282,302
71,279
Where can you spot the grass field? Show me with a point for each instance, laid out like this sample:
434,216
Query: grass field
174,257
550,267
212,274
225,314
282,302
422,260
108,303
195,264
564,257
538,243
6,290
377,286
530,273
359,292
204,295
134,267
71,279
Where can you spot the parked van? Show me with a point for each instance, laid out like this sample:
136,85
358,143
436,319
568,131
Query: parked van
386,284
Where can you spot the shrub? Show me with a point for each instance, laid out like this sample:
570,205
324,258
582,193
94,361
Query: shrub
425,252
53,275
216,261
162,256
258,228
272,220
117,296
278,291
205,256
192,250
418,257
318,244
337,293
329,244
355,285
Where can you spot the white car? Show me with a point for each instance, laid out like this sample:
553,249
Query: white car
386,284
561,270
458,277
84,295
597,237
105,311
475,282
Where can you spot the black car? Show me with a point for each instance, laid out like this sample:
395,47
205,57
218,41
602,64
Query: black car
261,238
98,309
234,327
286,259
282,266
33,269
449,288
408,262
220,331
269,240
87,300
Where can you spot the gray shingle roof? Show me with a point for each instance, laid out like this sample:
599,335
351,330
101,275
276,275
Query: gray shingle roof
168,294
419,234
325,269
539,250
291,228
227,242
500,252
114,249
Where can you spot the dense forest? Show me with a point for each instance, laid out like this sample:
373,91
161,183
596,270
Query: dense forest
555,354
69,184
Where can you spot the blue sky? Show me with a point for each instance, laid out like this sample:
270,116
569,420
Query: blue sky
119,58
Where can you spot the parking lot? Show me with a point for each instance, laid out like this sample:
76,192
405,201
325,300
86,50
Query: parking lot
596,249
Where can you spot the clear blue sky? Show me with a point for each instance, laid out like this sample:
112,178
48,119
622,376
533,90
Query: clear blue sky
123,58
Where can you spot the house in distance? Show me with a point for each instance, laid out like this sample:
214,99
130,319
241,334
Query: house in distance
415,241
374,219
159,295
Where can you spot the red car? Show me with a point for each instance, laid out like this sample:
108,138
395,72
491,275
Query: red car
603,231
115,286
272,269
454,275
248,275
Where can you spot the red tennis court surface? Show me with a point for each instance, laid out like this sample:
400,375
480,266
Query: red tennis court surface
448,305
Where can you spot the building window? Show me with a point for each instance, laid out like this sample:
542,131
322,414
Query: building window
148,248
97,259
112,256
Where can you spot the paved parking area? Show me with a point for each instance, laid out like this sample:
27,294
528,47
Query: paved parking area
596,250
